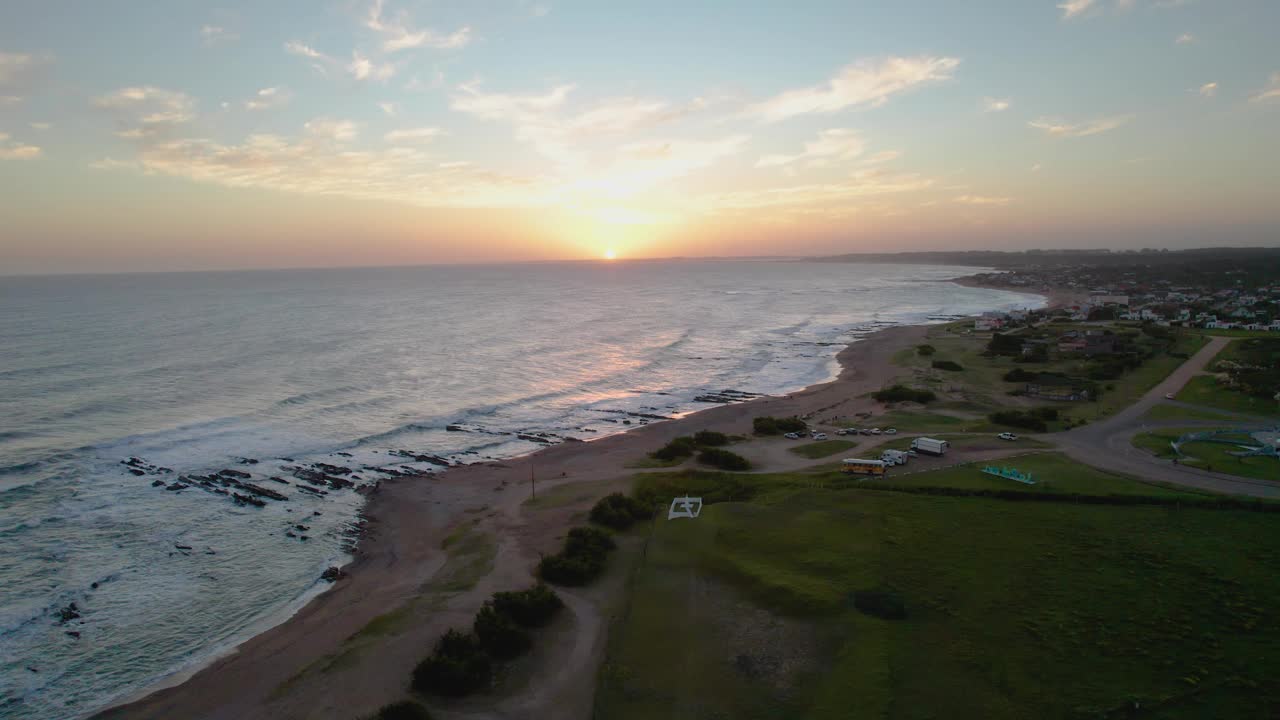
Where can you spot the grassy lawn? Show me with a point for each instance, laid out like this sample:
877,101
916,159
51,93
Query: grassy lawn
1174,412
1202,390
822,448
1053,472
982,441
919,421
1207,455
1013,610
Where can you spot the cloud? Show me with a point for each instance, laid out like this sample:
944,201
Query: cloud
636,167
834,144
513,108
859,185
1074,8
337,131
400,37
422,134
1058,128
863,83
1208,89
389,109
268,98
1270,92
217,35
41,125
147,110
20,73
982,200
1185,39
991,104
13,150
360,68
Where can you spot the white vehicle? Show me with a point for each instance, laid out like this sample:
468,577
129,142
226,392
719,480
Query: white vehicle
930,446
875,431
894,457
1168,396
891,431
842,432
1007,436
819,436
792,436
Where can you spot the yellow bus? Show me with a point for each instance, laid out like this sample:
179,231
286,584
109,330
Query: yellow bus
855,466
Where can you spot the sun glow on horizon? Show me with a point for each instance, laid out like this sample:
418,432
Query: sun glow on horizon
610,254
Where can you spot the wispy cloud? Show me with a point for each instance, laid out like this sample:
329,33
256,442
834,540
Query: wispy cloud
1075,8
834,144
147,111
859,185
1185,39
327,129
414,135
268,98
864,83
13,150
212,35
360,68
1072,9
991,104
399,36
1057,128
389,109
1208,89
20,73
1270,92
982,200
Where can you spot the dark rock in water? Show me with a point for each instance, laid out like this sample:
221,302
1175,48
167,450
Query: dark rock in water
301,527
536,438
157,483
248,461
73,633
433,459
234,474
177,486
332,574
333,469
280,480
264,492
343,454
290,534
180,546
287,459
94,586
311,490
247,500
136,471
68,613
455,428
302,537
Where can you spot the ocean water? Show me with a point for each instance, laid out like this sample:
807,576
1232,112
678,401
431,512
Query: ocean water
195,373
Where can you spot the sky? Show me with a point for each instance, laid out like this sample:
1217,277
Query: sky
160,135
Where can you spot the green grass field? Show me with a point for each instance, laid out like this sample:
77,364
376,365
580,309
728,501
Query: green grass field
1208,455
1053,472
1174,412
1014,610
1203,390
987,440
822,448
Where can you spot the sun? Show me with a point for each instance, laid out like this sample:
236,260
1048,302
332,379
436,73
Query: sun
610,254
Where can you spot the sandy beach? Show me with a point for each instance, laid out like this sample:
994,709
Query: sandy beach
328,661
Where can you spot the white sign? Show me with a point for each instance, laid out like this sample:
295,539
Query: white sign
686,506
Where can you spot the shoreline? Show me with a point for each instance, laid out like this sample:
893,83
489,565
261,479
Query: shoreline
407,524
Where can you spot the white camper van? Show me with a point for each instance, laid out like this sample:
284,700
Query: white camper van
930,446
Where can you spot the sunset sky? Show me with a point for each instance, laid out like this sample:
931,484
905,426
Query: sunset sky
161,135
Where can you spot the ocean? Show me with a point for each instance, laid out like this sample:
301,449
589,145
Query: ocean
143,418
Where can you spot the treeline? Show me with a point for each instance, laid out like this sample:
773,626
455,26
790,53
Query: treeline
708,446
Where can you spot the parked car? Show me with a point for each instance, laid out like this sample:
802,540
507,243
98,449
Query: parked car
891,431
875,431
1168,396
843,432
911,453
1007,436
819,436
792,436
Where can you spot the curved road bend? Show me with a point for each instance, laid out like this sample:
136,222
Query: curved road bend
1107,444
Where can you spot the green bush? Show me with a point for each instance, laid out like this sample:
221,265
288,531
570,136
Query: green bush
403,710
1020,375
710,438
655,490
1033,420
457,667
530,608
902,393
580,561
680,447
884,604
778,426
723,459
498,634
950,365
619,512
925,350
1005,345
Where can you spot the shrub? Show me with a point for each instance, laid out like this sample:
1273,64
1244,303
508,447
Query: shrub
884,604
457,667
530,608
655,490
710,438
1029,420
580,561
618,511
902,393
777,426
403,710
1020,375
1004,345
925,350
498,634
680,447
723,459
950,365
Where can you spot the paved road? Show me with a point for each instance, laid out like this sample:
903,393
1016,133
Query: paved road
1107,444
